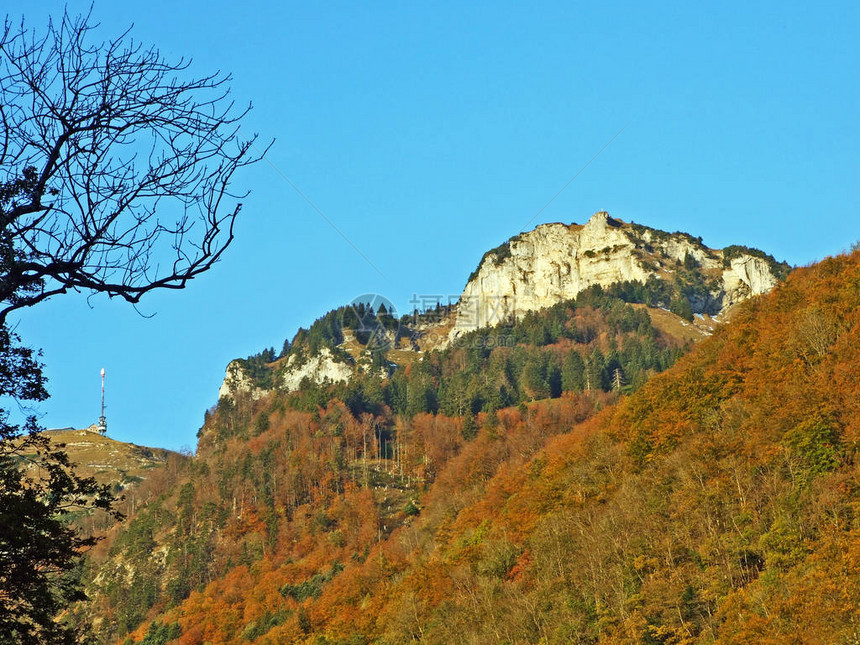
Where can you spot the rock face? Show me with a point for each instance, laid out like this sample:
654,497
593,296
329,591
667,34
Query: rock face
236,381
748,276
555,262
319,368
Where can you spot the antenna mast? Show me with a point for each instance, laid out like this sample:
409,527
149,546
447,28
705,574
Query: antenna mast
102,420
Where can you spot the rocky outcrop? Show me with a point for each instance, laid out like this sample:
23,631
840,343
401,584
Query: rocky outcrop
319,368
747,276
555,262
322,367
236,381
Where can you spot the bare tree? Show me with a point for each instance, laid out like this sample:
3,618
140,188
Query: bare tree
115,171
115,175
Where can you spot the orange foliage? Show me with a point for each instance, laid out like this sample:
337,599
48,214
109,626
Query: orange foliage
716,504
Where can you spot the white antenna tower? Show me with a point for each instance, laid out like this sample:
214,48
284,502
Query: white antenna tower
102,421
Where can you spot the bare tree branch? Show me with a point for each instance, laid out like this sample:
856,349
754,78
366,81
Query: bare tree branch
115,171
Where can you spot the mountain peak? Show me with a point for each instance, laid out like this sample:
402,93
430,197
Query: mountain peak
534,270
556,262
601,220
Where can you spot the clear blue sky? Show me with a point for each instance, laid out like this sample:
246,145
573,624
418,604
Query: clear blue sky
430,132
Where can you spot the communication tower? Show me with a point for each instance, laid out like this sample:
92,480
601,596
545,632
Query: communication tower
102,426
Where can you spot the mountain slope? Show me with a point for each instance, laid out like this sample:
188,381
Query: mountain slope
298,485
469,494
717,504
107,460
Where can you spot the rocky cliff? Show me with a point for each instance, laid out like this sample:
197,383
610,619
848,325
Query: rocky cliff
237,381
555,262
322,367
531,271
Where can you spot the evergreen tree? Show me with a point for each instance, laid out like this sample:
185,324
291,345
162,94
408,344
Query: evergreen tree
421,397
681,307
470,428
595,371
38,491
573,372
534,377
553,376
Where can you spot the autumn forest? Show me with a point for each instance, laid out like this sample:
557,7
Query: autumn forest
715,502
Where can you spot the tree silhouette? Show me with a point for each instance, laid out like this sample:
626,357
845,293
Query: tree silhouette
116,172
38,491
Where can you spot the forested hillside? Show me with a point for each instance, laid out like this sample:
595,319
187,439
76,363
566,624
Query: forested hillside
317,478
596,342
716,503
601,340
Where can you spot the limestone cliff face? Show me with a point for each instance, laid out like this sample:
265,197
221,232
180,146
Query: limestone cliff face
319,368
236,381
555,262
748,276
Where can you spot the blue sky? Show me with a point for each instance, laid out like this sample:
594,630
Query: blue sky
430,132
